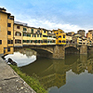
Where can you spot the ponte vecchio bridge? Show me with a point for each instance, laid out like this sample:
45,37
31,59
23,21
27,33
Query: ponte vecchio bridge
56,51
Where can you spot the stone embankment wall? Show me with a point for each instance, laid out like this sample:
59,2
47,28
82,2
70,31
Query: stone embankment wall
10,82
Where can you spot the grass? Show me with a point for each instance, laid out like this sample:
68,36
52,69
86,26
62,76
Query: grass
32,82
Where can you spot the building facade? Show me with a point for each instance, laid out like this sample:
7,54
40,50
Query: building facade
81,32
60,37
6,32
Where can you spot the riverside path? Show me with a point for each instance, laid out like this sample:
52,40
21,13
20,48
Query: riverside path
10,82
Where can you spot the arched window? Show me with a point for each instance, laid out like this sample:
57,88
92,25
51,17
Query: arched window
17,34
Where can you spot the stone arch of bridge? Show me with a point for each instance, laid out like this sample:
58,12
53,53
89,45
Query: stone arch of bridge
72,50
43,52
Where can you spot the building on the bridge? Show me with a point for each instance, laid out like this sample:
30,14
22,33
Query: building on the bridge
74,39
81,32
39,39
89,35
6,32
18,34
44,35
68,39
51,38
25,35
79,39
60,37
70,33
84,41
89,42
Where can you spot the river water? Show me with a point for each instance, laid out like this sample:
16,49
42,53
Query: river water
74,74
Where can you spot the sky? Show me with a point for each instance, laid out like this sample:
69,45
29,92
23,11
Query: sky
68,15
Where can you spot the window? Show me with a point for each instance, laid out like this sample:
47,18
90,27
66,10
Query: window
11,41
9,32
50,41
38,31
33,35
24,41
0,41
54,41
17,34
44,36
63,36
29,35
44,31
59,37
18,27
40,35
45,41
24,29
37,35
41,41
24,34
59,41
66,41
9,24
63,41
17,41
38,41
8,49
28,41
32,31
35,41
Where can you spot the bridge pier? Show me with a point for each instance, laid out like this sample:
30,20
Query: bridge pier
83,49
59,52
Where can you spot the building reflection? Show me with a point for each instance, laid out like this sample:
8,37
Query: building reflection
53,72
26,51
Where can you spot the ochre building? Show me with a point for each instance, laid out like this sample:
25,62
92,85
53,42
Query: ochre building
6,32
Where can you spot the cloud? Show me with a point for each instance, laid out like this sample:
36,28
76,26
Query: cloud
52,25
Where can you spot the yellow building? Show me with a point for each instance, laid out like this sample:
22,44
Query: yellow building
90,36
36,36
32,36
51,38
71,33
18,34
79,39
44,34
6,32
39,39
68,39
60,37
26,35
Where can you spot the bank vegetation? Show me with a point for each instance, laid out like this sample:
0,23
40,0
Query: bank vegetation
31,81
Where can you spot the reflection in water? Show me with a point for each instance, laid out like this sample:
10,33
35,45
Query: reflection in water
74,74
23,58
54,74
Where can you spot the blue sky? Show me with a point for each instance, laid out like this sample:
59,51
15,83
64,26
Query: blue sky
69,15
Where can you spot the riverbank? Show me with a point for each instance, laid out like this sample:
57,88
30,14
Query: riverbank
10,81
32,82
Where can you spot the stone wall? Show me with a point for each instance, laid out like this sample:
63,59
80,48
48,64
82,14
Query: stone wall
83,49
59,52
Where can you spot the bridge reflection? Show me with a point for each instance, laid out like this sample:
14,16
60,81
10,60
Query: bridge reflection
53,72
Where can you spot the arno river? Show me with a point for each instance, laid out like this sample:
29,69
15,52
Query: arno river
74,74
